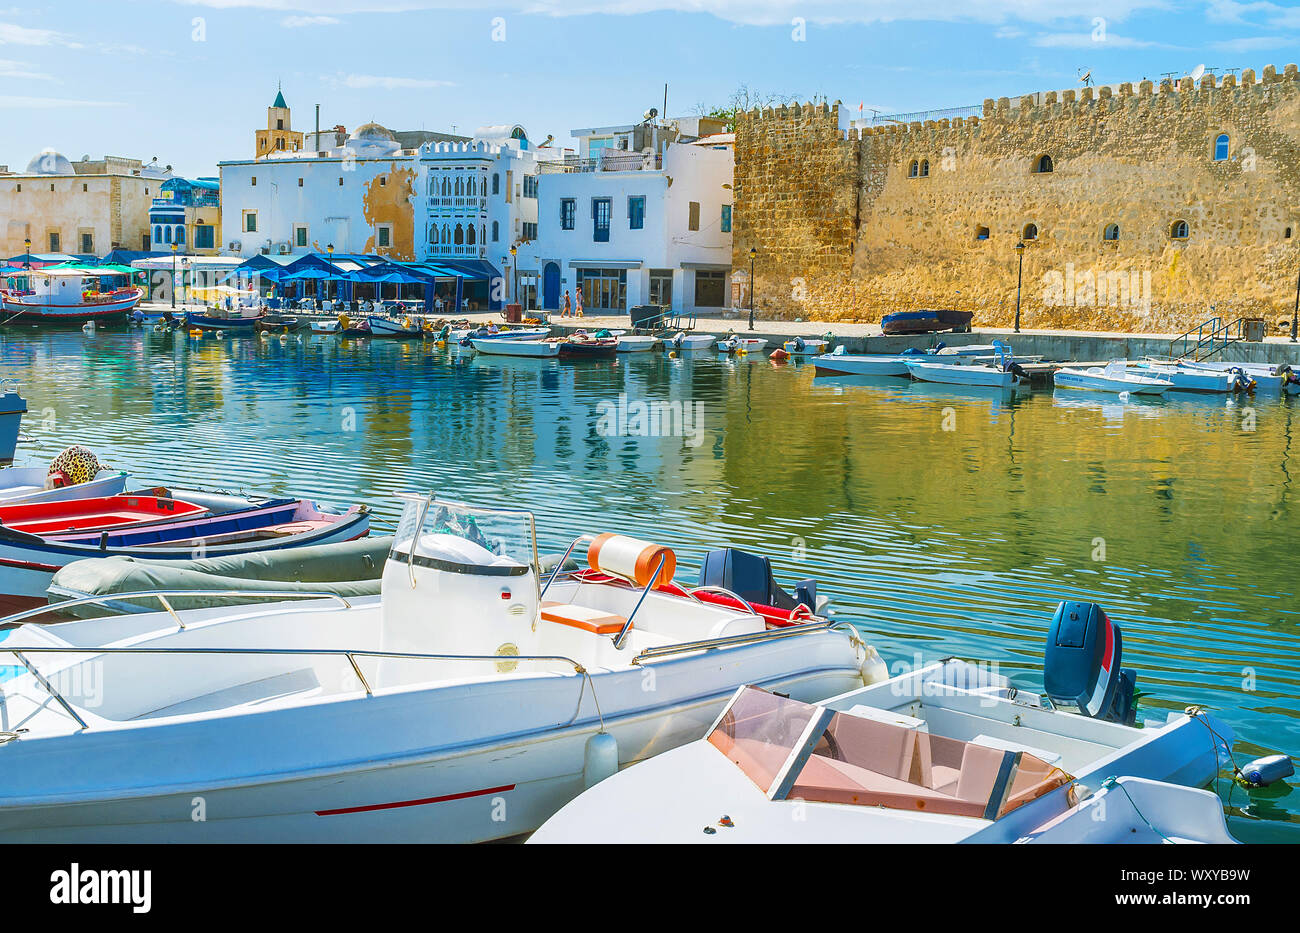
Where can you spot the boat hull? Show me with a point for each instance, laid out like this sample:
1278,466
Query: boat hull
848,364
383,327
961,375
926,322
25,485
529,348
33,310
366,769
240,324
1077,379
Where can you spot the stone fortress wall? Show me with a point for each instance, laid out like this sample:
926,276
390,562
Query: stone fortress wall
848,228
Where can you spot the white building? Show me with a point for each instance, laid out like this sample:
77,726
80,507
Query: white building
634,219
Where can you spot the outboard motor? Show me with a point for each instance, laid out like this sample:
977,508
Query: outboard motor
750,577
1082,664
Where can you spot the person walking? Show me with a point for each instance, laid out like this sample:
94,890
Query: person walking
565,311
577,296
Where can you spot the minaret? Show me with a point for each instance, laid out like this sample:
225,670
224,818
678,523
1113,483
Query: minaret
278,135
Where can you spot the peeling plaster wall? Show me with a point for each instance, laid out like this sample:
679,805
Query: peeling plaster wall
844,233
391,202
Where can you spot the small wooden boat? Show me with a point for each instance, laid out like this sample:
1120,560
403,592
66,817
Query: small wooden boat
497,346
96,514
325,327
233,324
27,484
1114,377
27,561
278,324
633,343
926,321
389,327
805,346
582,347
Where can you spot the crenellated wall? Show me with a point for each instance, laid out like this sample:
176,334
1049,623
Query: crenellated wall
845,231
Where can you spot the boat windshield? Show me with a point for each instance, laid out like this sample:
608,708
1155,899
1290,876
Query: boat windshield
505,533
873,757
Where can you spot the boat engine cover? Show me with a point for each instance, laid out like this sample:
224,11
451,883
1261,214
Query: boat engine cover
750,577
1082,663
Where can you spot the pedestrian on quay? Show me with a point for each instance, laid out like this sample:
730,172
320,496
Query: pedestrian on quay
564,312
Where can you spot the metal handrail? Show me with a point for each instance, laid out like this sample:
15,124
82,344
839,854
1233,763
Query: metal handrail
560,566
627,626
161,596
350,653
709,588
708,644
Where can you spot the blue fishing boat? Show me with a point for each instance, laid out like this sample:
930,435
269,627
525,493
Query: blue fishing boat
238,324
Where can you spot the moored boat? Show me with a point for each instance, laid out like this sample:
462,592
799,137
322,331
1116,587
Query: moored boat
1113,377
404,328
737,344
92,514
952,752
498,346
581,346
805,346
234,323
70,294
926,321
1185,378
685,341
860,364
633,343
961,374
371,719
12,408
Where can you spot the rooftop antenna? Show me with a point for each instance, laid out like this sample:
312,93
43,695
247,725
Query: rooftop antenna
1086,78
1169,74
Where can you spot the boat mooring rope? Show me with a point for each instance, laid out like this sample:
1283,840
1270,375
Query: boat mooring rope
1113,781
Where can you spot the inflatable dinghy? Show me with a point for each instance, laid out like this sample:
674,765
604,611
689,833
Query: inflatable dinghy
350,568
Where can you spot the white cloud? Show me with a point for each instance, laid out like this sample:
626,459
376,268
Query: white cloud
385,82
1008,32
297,22
13,34
745,12
1084,40
1254,44
13,101
13,69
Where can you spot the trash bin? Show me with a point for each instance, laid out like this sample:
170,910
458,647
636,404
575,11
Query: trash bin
514,313
1254,329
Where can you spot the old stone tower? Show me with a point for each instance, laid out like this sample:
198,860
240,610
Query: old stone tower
278,135
1140,207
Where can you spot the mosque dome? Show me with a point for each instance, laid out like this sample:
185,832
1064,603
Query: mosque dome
371,138
49,162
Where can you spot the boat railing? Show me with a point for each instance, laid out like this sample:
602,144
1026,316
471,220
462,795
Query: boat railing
748,638
351,654
164,597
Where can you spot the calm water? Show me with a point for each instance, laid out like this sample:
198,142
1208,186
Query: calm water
941,521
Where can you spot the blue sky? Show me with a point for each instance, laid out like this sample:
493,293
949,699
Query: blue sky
188,81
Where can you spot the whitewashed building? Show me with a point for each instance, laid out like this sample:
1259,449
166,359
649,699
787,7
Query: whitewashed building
633,219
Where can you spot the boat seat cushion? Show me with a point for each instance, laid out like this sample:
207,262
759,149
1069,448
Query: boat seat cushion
596,621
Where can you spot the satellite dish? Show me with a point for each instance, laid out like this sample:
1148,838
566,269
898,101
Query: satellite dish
1086,78
1197,73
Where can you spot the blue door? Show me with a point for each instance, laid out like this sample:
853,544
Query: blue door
551,286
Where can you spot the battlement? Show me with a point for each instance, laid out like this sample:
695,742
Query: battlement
1045,105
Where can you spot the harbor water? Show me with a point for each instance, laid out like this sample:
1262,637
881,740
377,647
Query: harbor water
940,520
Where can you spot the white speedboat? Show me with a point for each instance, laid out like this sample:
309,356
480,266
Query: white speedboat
860,364
632,343
952,752
805,346
684,341
467,702
736,344
961,374
324,327
1113,377
502,346
1186,378
1267,378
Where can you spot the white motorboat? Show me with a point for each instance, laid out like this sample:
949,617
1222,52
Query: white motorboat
492,332
27,485
502,346
805,346
684,341
633,343
952,752
960,374
1267,378
325,327
467,702
860,364
736,344
1186,378
1113,377
1138,811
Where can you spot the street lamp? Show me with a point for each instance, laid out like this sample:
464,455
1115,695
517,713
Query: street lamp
514,273
1295,312
1020,269
173,276
753,254
27,253
329,247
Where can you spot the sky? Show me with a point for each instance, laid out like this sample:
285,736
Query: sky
188,81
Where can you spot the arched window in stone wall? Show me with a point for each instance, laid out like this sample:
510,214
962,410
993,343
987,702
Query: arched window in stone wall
1111,232
1179,230
1221,148
459,236
1044,165
912,169
1286,234
925,168
1030,232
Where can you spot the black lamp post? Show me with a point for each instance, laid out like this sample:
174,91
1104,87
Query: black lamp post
753,254
1295,312
514,275
27,253
173,276
329,247
1020,269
